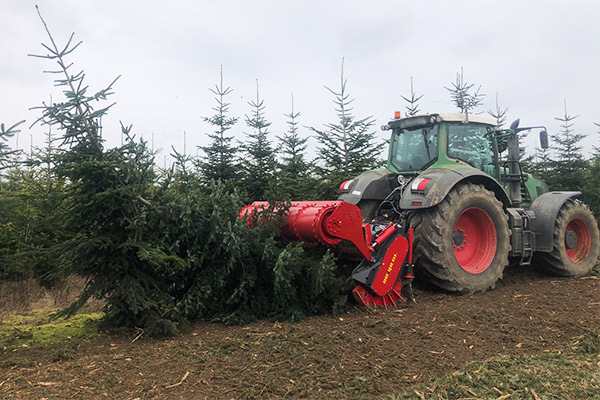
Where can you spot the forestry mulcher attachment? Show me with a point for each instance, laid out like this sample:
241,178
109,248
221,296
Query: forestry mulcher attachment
454,204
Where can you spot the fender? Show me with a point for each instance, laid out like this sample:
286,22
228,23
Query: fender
546,208
370,185
423,193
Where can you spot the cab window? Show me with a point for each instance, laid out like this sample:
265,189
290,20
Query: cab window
413,149
472,144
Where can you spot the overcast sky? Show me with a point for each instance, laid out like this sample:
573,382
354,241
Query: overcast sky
533,54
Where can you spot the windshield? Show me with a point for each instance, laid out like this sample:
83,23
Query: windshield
472,144
414,148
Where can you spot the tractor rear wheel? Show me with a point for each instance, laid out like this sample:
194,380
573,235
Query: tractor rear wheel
576,241
463,242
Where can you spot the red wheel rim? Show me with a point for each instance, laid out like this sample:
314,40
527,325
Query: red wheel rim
474,240
581,251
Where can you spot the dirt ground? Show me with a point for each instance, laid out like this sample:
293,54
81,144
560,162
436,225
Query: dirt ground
360,354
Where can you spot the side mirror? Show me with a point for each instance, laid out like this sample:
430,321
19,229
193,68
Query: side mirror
515,124
544,139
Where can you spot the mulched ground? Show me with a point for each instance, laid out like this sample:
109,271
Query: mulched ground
360,354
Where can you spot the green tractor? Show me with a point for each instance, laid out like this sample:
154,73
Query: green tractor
454,204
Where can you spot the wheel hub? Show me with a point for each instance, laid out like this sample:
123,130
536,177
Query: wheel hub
458,238
571,240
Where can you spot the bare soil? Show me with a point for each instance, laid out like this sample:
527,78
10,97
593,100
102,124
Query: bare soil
360,354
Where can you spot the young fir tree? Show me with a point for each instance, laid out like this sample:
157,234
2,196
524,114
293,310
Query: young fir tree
591,188
294,169
412,108
463,96
112,245
37,220
6,153
9,230
258,158
346,147
541,164
569,165
498,113
219,163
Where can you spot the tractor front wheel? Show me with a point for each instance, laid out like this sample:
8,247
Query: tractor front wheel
463,242
576,243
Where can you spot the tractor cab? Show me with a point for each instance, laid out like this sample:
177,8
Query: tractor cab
442,140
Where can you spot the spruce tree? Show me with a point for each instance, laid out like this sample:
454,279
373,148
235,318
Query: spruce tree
294,169
219,163
10,230
111,245
541,165
569,166
412,108
258,157
6,153
499,113
463,94
591,188
346,147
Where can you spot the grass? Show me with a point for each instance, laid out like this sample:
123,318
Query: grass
37,329
569,373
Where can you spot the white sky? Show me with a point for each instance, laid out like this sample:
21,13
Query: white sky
534,54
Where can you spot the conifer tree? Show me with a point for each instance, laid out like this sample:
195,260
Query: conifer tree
220,156
9,230
569,166
112,245
294,170
258,158
412,108
541,164
346,147
591,188
6,153
499,114
462,96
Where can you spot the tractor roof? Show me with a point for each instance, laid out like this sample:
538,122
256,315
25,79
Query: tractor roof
428,119
460,117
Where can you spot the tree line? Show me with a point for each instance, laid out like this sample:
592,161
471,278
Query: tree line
166,247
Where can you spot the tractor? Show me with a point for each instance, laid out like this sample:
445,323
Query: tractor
453,206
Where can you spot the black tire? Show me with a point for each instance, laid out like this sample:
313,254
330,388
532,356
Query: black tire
469,219
576,241
368,208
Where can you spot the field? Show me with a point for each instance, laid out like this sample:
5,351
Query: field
533,337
